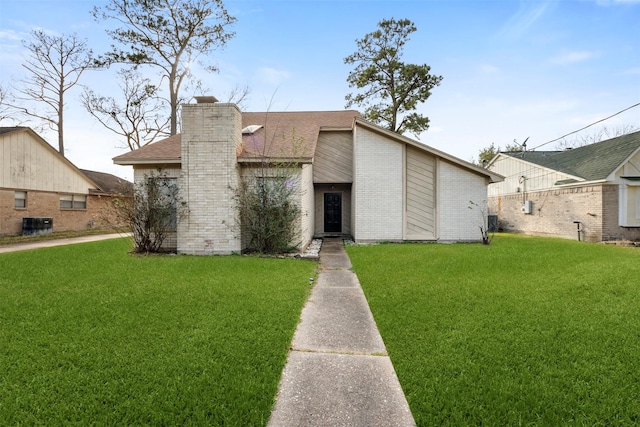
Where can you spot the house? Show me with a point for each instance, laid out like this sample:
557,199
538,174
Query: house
594,189
37,182
356,179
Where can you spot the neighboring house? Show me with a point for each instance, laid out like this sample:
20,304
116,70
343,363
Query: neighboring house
37,182
356,179
595,188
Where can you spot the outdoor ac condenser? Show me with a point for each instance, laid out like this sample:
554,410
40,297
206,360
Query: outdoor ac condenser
527,207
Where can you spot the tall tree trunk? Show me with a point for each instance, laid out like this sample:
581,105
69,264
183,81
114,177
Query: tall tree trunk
61,117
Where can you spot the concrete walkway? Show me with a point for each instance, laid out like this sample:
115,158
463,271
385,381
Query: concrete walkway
58,242
338,372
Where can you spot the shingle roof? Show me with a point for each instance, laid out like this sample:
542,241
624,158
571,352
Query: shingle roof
164,151
281,135
290,134
4,130
590,162
108,183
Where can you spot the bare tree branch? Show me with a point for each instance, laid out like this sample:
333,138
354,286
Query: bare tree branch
54,65
141,118
168,35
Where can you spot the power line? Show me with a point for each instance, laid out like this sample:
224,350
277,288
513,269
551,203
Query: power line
588,126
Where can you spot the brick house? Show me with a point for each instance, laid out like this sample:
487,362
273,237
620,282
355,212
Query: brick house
36,181
356,179
595,188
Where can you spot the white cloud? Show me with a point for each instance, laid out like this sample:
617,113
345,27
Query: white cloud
272,75
609,2
573,57
632,71
489,69
9,35
521,21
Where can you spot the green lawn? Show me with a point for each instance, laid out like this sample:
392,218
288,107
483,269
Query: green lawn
92,335
527,331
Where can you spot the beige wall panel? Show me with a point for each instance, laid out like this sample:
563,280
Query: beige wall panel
28,164
421,195
333,161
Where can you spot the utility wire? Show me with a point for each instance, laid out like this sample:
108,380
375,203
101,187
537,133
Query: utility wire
588,126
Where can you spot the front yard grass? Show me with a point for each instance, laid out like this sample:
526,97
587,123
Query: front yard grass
90,335
526,331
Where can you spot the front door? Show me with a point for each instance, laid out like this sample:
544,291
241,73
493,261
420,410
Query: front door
332,212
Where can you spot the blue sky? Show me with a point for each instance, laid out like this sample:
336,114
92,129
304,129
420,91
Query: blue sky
511,69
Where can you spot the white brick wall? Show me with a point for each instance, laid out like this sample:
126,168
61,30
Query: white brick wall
378,187
456,187
211,134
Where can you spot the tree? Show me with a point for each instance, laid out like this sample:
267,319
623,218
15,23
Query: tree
140,118
393,89
488,153
595,136
168,35
5,108
54,66
153,212
267,200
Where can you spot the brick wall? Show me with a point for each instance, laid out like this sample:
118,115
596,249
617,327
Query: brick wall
210,139
553,213
377,187
47,204
610,228
456,188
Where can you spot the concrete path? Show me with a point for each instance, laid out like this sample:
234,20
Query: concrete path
338,372
58,242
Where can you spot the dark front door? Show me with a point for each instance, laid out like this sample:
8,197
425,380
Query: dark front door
332,212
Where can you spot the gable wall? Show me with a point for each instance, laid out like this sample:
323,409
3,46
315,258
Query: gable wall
26,164
536,178
456,188
631,167
377,191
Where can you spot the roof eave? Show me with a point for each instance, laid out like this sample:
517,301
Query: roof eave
275,160
582,183
125,162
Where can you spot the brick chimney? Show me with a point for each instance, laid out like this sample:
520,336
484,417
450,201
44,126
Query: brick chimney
211,139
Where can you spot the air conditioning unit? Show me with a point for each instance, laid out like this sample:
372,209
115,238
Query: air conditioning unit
527,207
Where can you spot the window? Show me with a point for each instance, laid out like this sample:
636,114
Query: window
164,193
73,201
21,199
79,202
